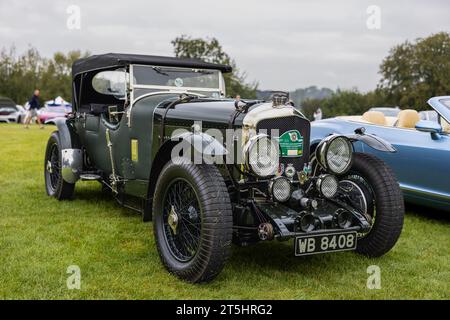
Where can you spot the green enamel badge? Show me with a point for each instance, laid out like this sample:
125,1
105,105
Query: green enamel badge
291,144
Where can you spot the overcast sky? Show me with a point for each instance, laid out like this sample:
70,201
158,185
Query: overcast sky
283,44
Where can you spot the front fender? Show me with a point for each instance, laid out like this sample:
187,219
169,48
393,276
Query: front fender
65,136
321,129
203,143
71,156
372,141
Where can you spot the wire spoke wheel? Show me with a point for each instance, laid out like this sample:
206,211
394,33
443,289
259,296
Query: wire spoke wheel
54,181
192,220
370,187
182,220
376,194
54,167
358,193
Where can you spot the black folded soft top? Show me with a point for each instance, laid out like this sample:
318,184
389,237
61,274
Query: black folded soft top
109,60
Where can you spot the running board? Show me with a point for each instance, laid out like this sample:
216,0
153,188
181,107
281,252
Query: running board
134,203
90,177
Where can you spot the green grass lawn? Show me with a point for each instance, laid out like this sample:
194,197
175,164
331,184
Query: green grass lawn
40,237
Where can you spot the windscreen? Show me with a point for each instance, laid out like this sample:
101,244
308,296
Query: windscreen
444,122
446,102
177,77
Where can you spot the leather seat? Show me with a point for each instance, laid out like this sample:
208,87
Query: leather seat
375,117
445,126
408,119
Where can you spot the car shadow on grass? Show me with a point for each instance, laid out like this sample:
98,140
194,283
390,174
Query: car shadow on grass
267,257
92,194
428,213
279,256
95,194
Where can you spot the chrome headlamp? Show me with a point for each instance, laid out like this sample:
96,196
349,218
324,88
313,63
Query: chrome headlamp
327,185
262,155
335,154
281,189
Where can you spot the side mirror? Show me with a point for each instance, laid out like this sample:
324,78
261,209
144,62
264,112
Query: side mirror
429,126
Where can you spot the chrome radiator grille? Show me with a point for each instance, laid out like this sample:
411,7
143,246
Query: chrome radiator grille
286,124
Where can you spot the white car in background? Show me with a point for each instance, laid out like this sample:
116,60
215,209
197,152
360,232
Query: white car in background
22,113
10,111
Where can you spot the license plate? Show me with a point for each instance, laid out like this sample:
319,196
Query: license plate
325,242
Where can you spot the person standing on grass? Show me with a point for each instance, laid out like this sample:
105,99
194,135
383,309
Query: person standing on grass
318,114
34,107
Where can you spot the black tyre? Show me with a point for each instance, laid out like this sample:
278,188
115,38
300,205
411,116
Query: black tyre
383,203
192,221
54,183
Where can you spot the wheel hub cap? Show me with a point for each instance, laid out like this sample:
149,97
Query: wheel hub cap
49,167
172,220
182,220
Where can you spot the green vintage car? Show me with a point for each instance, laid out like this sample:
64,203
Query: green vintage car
159,134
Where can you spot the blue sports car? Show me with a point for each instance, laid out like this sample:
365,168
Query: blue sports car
422,160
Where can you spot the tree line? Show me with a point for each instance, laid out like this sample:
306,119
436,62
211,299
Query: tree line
411,73
20,74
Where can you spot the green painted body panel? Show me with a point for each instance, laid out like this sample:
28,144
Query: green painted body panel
215,114
145,127
92,133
